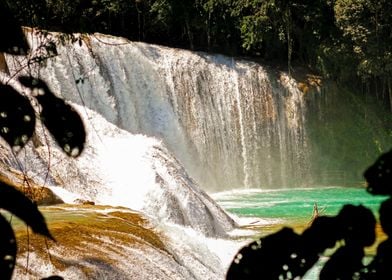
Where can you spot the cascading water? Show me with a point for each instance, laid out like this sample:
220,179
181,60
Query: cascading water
246,127
121,168
231,123
162,125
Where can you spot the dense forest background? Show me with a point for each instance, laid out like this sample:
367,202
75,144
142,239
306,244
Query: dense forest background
349,41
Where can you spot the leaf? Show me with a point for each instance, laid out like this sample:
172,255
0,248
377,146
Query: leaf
53,277
7,249
62,121
379,175
12,40
51,48
17,118
18,204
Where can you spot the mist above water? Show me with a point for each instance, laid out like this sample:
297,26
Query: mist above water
164,126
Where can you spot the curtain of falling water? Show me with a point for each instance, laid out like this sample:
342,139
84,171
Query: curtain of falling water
231,123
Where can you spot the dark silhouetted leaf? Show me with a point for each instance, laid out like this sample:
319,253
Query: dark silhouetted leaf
54,277
51,48
12,40
63,122
17,118
379,175
18,204
7,249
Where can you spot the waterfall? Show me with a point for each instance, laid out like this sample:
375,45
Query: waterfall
242,132
231,123
164,127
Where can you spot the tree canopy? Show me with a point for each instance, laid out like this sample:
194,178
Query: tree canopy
345,40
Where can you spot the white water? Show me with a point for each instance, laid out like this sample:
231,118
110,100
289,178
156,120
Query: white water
122,168
231,123
136,171
156,118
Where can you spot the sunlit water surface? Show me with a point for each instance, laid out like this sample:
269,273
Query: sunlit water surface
270,210
294,205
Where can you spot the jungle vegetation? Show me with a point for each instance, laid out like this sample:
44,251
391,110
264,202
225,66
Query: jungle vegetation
349,41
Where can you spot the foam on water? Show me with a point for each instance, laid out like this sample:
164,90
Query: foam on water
122,169
156,118
230,122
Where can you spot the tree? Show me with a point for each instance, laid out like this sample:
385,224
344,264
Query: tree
367,32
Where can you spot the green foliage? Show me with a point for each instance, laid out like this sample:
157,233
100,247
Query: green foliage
16,42
366,26
17,124
343,39
354,131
